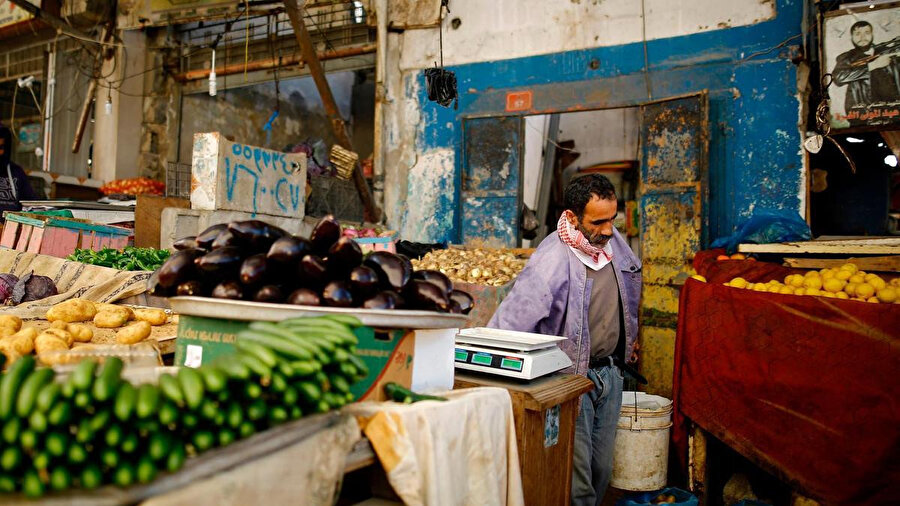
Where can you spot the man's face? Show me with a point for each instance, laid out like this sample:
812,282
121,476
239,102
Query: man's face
862,37
597,221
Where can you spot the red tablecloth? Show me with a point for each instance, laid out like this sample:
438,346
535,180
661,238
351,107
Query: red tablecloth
807,387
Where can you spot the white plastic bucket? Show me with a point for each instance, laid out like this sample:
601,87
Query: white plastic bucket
641,458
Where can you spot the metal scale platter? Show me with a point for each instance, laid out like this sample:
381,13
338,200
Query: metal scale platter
520,355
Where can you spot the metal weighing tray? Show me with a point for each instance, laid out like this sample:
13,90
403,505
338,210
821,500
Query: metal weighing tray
249,311
507,339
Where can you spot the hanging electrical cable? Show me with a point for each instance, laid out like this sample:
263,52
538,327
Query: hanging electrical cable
440,84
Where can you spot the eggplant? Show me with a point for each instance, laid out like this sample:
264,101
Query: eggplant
454,307
222,262
255,234
188,242
228,290
406,261
288,250
427,296
363,282
269,293
206,238
254,270
154,288
337,294
465,301
304,297
192,287
392,271
343,256
326,232
224,240
178,268
436,278
387,299
313,272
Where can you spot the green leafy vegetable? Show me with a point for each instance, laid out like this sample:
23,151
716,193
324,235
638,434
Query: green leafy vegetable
129,259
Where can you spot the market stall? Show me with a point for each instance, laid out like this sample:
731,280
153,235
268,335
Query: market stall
802,385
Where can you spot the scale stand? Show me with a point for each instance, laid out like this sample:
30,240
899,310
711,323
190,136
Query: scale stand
519,355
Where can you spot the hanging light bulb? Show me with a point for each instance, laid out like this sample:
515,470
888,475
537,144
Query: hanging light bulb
212,75
107,107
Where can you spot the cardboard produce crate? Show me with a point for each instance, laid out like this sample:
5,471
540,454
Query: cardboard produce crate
58,236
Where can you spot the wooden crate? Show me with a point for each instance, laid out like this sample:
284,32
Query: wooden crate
58,236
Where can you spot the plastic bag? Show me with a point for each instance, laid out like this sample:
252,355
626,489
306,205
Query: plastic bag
767,226
675,495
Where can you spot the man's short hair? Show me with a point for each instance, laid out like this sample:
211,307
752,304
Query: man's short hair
858,25
579,192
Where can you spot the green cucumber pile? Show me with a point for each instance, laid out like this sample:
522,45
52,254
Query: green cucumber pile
95,428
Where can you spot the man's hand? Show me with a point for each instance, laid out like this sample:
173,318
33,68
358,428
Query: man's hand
634,353
880,62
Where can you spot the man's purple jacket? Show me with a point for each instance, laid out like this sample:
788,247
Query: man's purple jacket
552,296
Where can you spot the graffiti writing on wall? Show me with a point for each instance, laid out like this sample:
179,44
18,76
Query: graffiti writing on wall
266,180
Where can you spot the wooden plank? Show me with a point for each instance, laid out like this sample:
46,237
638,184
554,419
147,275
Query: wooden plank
541,393
873,264
362,455
10,230
871,246
697,463
147,215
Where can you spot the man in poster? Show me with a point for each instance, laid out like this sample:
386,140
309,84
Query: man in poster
870,72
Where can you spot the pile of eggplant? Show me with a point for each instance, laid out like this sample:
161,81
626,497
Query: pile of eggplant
253,260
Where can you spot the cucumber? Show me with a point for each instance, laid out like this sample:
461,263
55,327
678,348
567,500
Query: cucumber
192,386
189,420
77,454
263,353
91,477
32,486
158,447
339,336
12,380
109,457
82,400
290,396
84,433
7,484
235,415
256,410
60,414
233,368
203,440
146,470
278,415
349,371
226,437
108,379
175,459
125,401
305,368
83,375
171,389
322,407
10,458
341,355
168,413
246,429
309,391
252,391
296,412
147,401
60,479
401,394
68,389
257,366
28,440
41,461
279,382
99,420
57,443
344,319
285,347
209,409
214,380
37,421
113,436
47,396
124,475
361,366
129,443
339,383
11,430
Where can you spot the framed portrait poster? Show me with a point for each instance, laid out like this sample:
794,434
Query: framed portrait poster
861,51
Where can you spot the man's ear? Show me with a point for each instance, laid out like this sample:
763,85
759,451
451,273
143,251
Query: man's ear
570,216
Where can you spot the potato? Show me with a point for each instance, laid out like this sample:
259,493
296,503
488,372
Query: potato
72,310
46,342
102,307
110,319
151,316
6,331
81,332
20,344
133,333
29,332
59,324
65,335
11,322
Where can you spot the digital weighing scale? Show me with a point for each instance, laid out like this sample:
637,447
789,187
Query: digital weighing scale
520,355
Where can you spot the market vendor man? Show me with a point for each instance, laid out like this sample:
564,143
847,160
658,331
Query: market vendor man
584,283
14,185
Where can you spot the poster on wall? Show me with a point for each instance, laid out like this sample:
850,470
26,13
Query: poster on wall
861,50
11,13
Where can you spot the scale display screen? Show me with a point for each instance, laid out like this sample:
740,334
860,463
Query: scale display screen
462,355
482,359
514,364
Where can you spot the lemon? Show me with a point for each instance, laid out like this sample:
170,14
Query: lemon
877,283
842,295
739,283
833,285
811,274
856,278
887,294
813,282
760,287
870,276
850,267
786,290
873,300
813,291
788,279
828,295
851,288
895,282
797,282
865,290
843,275
698,278
861,273
828,274
800,291
774,289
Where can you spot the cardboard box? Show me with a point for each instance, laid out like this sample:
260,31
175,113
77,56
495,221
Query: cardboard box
418,359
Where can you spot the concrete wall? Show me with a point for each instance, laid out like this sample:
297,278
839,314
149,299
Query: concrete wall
590,55
601,136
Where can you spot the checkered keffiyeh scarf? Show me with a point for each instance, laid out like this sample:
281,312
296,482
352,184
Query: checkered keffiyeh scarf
576,240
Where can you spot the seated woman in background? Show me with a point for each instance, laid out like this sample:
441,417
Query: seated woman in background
14,185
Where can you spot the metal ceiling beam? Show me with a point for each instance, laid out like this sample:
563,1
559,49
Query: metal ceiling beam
295,13
54,21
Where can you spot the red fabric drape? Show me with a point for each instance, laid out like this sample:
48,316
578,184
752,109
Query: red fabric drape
805,386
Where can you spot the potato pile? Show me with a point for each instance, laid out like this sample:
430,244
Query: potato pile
67,326
480,266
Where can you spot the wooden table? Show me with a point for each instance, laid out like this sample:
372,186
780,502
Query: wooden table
546,461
